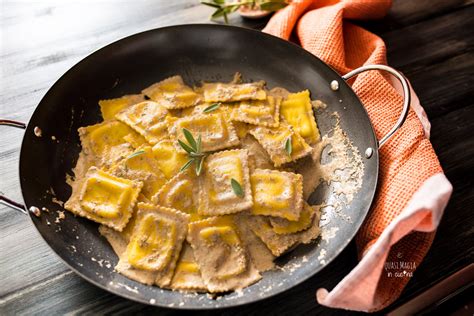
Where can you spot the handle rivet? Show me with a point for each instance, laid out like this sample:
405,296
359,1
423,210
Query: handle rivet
334,85
38,132
369,152
35,211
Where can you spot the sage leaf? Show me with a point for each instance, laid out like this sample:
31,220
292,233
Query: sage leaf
212,107
187,165
288,146
236,187
190,139
137,153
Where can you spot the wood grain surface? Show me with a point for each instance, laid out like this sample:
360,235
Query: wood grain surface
431,42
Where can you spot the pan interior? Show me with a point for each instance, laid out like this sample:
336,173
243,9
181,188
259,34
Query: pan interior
198,53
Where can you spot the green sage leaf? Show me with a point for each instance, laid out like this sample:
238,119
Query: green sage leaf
212,107
187,165
190,139
288,146
236,187
185,146
137,153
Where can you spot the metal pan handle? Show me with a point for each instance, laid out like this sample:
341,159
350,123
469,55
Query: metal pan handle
3,199
406,95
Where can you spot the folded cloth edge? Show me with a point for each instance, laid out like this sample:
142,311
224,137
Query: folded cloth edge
422,213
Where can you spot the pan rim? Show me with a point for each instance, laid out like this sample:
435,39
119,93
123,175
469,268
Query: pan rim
363,212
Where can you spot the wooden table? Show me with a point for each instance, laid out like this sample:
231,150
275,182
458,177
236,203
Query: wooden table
429,40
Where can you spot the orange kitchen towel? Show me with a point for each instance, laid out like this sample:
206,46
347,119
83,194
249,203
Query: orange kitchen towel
412,190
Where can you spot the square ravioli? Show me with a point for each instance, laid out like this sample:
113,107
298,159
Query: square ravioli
187,276
104,198
229,92
274,141
259,112
147,118
156,240
216,132
284,226
277,193
172,93
110,107
222,258
279,243
297,110
181,193
257,155
168,158
217,196
141,165
104,144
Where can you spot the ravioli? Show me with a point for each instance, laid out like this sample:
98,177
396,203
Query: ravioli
147,118
257,155
110,107
297,110
259,112
222,257
217,197
141,165
229,92
215,131
187,275
104,198
104,143
279,243
284,226
274,141
172,93
277,194
181,193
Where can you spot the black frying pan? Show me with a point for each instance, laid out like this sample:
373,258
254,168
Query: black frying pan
197,52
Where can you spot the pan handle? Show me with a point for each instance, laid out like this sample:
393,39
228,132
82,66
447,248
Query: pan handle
406,95
3,199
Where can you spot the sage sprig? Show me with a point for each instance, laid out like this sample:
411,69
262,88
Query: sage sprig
226,7
194,149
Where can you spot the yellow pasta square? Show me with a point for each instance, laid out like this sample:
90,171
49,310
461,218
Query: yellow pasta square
279,243
104,143
229,92
110,107
259,112
187,275
156,241
141,165
172,93
181,193
274,140
147,118
168,158
297,110
222,257
284,226
257,156
217,197
216,132
104,198
277,193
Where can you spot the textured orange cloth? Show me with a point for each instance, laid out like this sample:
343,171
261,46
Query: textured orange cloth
407,161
